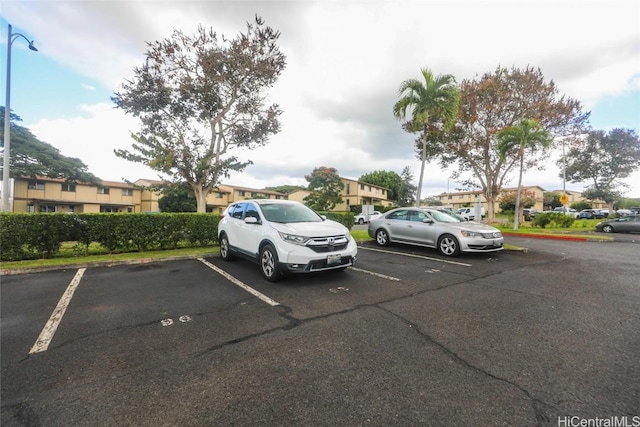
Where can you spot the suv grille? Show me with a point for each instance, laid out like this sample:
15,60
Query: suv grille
327,244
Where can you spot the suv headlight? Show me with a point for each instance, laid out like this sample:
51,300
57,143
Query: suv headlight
292,238
467,233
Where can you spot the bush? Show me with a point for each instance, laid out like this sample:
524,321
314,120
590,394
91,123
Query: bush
34,235
553,220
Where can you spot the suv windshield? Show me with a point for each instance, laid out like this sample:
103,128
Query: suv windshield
285,213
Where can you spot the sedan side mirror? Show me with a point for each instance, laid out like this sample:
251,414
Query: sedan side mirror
251,220
427,221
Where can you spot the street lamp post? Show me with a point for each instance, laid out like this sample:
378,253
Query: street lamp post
6,188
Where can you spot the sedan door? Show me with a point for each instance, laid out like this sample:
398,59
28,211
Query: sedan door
632,224
419,231
397,225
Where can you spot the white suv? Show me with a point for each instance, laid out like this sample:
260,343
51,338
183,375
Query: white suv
284,236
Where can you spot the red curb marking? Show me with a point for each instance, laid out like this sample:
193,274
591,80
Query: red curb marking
542,236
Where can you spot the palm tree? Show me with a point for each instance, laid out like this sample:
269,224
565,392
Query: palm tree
433,106
526,134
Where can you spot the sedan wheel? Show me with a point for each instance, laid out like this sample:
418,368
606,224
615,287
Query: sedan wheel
269,263
382,237
607,228
361,221
448,245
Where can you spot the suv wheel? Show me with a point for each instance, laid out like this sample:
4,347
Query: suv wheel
225,251
269,263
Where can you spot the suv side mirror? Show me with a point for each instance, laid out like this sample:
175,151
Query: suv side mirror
251,220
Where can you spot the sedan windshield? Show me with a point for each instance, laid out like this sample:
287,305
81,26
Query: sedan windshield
286,213
442,216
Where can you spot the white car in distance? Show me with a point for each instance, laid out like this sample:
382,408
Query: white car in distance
362,218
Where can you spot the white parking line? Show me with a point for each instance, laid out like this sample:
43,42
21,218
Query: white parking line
416,256
43,341
239,283
373,273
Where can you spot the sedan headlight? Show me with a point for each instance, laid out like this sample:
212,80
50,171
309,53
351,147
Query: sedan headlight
292,238
467,233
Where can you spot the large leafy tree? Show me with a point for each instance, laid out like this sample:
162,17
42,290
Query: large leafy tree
199,98
177,197
603,159
387,179
527,135
325,187
32,157
496,101
430,106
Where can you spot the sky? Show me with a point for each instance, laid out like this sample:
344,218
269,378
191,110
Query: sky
345,62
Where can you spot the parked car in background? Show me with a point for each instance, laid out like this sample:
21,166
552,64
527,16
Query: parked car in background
590,214
284,236
529,214
362,218
566,211
434,228
470,213
629,224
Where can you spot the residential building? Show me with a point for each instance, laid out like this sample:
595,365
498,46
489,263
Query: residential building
58,195
354,192
468,198
221,197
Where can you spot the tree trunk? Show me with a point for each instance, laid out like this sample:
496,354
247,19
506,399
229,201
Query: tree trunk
201,200
424,155
516,217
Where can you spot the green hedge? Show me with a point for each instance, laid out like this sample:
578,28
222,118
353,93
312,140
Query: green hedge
553,220
40,235
344,218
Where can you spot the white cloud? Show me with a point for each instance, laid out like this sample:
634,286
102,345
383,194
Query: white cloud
92,139
345,61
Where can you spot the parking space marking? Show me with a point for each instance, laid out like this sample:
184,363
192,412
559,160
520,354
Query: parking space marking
416,256
373,273
239,283
43,341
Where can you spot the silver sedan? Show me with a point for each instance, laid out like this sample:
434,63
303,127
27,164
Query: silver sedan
433,228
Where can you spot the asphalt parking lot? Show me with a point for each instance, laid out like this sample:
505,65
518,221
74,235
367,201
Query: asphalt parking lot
404,338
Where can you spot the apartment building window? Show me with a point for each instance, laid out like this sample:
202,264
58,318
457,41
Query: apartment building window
103,190
31,208
348,188
47,208
69,187
277,197
35,185
108,209
218,195
127,191
254,195
241,193
362,187
461,196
